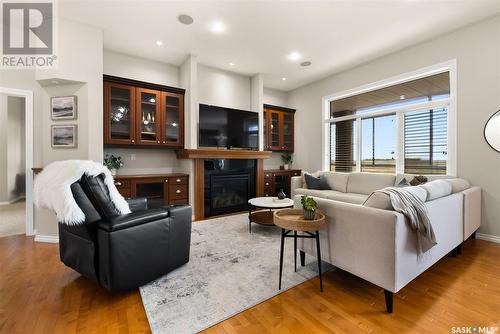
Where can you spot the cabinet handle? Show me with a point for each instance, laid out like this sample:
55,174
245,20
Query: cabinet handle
178,180
177,191
118,183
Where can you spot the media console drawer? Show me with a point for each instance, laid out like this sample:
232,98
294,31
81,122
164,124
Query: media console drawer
176,192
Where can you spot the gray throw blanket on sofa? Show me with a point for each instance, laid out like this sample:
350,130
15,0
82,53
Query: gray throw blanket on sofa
414,209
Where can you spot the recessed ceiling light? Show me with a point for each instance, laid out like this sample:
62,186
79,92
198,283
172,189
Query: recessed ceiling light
218,27
293,56
185,19
305,63
284,79
159,43
232,64
401,97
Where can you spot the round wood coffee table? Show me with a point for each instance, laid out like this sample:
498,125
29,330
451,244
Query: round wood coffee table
292,220
265,217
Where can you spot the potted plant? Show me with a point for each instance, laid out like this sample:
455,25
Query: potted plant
309,205
287,160
113,163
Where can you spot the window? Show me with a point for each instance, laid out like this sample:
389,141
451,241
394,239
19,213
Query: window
343,148
400,128
378,151
426,141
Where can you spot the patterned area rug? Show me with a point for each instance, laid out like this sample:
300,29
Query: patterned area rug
230,270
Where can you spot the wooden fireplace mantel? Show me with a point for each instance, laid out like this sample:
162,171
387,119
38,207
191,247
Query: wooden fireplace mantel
221,154
200,155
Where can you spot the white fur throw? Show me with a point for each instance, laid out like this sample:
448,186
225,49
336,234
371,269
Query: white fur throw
52,189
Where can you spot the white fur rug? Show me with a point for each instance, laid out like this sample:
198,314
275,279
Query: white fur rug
230,270
52,189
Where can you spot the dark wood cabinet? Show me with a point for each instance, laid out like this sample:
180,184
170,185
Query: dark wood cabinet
144,114
278,128
160,190
277,179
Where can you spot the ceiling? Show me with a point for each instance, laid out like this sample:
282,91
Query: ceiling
259,35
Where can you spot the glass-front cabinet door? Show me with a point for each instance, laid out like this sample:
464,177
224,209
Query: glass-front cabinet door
148,122
172,119
287,130
119,114
274,130
265,131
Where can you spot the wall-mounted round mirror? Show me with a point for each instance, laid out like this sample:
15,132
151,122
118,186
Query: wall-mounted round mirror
492,131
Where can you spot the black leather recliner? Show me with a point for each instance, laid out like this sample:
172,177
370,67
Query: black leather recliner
123,252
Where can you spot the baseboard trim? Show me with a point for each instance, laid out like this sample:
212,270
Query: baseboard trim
488,237
53,239
12,201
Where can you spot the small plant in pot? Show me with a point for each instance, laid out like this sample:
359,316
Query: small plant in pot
309,205
287,160
113,163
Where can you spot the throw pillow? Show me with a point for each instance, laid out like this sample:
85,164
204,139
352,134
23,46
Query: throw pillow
317,183
403,183
419,179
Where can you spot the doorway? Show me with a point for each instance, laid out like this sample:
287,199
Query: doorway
16,162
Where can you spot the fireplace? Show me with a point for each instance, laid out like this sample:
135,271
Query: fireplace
228,185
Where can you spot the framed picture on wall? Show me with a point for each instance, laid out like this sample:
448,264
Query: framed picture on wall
64,136
63,107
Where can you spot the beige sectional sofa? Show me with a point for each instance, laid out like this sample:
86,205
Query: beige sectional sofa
365,237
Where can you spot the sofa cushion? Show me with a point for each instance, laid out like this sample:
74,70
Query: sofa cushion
365,183
314,192
337,181
458,185
347,197
318,183
380,200
436,189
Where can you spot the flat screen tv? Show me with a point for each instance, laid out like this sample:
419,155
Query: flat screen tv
229,128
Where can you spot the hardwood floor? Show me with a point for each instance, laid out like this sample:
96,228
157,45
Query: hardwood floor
38,294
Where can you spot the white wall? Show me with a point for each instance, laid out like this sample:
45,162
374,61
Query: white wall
79,72
223,88
477,51
131,67
275,97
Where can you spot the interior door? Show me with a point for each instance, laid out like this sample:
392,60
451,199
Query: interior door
119,114
172,119
148,116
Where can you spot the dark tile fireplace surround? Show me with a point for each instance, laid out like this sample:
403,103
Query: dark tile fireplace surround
228,185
